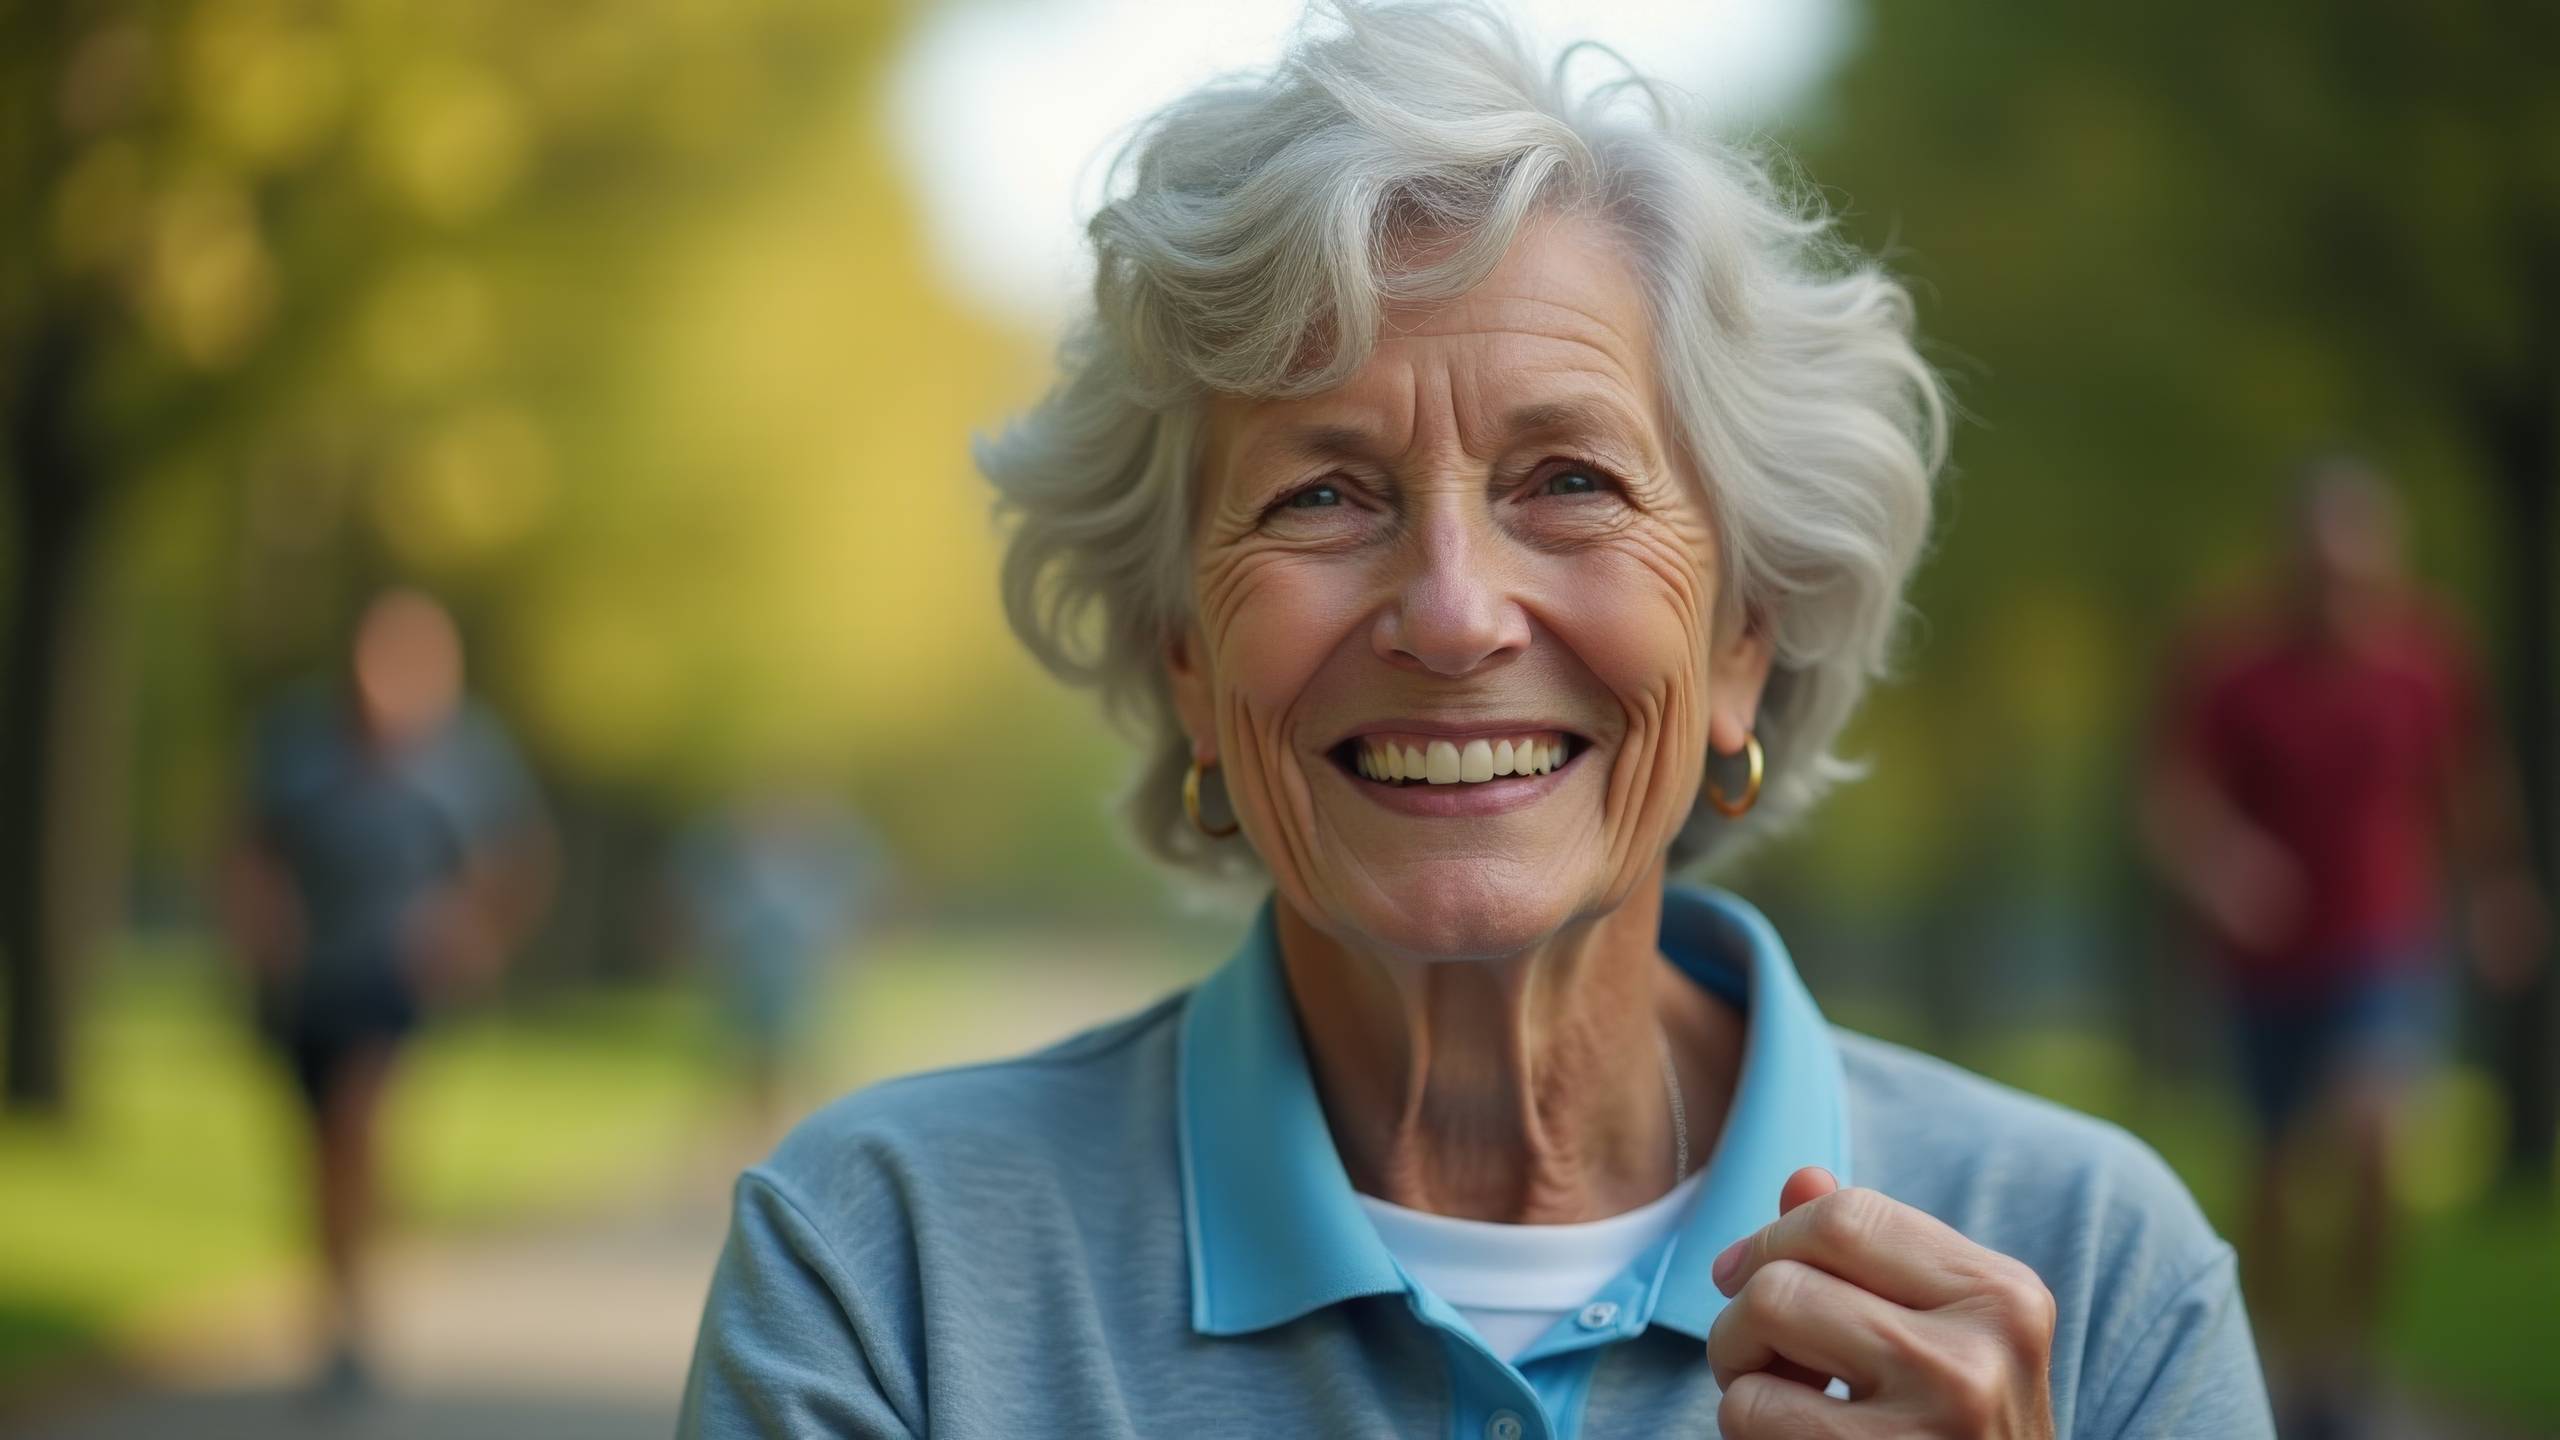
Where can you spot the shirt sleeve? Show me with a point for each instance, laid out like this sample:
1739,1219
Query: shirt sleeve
290,755
495,789
780,1353
2191,1369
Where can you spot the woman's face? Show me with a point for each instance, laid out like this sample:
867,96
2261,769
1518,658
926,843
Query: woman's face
1476,566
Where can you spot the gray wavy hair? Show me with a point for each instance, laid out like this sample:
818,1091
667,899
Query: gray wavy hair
1250,245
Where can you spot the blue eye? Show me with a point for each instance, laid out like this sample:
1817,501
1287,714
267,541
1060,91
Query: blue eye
1576,480
1314,497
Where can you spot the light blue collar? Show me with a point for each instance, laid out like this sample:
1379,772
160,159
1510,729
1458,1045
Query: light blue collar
1273,1226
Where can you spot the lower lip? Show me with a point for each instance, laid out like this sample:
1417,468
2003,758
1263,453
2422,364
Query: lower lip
1485,797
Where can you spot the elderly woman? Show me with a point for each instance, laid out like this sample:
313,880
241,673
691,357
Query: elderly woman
1483,498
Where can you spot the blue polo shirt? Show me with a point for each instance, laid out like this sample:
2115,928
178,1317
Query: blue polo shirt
1146,1230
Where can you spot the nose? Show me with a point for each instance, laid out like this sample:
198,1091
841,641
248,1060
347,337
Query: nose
1453,612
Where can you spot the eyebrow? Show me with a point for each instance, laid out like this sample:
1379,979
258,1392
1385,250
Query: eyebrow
1315,442
1578,415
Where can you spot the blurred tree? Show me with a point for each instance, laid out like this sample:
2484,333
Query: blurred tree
52,501
390,281
2167,248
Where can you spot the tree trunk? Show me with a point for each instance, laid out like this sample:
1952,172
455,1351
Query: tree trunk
53,508
2528,451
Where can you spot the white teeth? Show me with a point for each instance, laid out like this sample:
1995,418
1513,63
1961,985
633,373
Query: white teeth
1449,762
1444,763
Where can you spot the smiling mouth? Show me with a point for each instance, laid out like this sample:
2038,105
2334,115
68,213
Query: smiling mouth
1399,761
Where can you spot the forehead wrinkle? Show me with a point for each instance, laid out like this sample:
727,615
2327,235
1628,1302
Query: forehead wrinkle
1612,361
1452,320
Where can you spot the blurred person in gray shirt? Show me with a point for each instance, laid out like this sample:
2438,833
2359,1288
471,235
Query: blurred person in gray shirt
394,850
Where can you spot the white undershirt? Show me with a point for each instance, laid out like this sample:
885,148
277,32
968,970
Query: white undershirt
1513,1282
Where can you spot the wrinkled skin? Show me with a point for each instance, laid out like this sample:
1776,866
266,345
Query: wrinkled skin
1934,1337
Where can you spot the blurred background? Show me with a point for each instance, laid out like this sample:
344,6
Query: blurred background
633,350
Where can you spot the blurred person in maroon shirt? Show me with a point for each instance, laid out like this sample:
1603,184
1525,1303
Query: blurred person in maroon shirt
2317,764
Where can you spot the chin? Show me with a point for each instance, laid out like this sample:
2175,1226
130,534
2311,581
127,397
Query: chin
1460,910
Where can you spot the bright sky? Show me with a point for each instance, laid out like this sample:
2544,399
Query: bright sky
1004,110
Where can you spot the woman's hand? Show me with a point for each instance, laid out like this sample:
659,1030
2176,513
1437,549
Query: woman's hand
1933,1334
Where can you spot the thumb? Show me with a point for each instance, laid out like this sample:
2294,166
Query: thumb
1810,1183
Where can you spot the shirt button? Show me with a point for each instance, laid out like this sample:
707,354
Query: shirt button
1598,1314
1505,1425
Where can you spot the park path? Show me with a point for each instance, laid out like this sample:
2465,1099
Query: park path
569,1330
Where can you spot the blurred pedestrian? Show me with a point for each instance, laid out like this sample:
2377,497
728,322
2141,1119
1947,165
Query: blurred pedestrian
393,852
2319,761
773,889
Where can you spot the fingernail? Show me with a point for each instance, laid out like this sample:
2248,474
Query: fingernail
1729,1262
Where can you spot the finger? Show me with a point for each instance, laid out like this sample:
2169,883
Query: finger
1760,1406
1786,1369
1794,1312
1870,1240
1810,1183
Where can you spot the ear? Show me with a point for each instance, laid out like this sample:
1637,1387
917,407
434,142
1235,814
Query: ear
1183,654
1737,673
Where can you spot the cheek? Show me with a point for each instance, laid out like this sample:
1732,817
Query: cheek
1639,619
1640,624
1272,621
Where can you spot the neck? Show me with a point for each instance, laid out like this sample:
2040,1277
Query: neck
1525,1089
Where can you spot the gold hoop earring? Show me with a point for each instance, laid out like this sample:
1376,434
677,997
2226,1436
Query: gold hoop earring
1191,804
1733,809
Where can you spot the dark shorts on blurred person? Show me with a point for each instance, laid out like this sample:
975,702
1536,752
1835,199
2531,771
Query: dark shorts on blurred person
2381,1020
320,1027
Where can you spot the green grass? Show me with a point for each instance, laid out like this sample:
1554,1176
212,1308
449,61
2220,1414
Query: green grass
2474,1314
532,1113
182,1170
2478,1309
